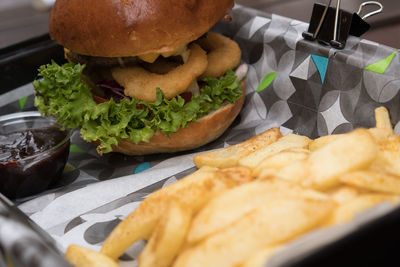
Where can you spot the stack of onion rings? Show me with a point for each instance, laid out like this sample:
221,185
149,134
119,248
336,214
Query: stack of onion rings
141,81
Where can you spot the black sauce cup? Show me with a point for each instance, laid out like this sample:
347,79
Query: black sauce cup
37,172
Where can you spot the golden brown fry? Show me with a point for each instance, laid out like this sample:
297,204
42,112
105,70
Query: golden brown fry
261,257
383,130
142,84
167,238
349,152
322,141
388,159
281,159
84,257
286,142
295,172
194,190
344,193
348,210
382,119
229,156
278,220
374,181
225,209
380,134
223,54
241,175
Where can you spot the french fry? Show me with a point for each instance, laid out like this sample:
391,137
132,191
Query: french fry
194,191
388,159
228,207
241,175
383,119
322,141
281,159
375,181
343,193
229,156
279,219
348,210
259,258
383,129
286,142
295,172
350,152
167,238
321,171
84,257
380,134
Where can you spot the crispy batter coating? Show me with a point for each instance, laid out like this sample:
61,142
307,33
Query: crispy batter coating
141,83
161,65
223,54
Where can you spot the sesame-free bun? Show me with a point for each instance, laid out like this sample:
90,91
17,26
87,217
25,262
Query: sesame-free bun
194,135
121,28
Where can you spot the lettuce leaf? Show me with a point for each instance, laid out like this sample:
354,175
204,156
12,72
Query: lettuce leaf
61,93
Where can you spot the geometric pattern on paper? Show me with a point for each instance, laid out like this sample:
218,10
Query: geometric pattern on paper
333,116
142,167
256,24
381,66
305,70
322,65
268,79
22,102
251,27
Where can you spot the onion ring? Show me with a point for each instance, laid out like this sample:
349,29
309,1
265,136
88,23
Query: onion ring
161,66
223,54
142,84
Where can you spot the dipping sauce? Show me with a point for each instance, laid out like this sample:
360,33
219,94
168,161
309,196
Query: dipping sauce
22,144
31,160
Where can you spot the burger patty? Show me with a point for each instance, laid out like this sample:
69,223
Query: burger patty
113,61
101,61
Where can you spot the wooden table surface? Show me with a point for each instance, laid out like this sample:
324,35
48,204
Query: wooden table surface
19,21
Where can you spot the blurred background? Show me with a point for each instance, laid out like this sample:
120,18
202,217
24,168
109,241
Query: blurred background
23,19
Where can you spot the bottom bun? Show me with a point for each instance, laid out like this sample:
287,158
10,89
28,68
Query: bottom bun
196,134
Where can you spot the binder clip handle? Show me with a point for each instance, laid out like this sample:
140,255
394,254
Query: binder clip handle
378,11
327,23
335,41
312,36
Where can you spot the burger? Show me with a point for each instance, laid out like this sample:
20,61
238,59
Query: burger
143,76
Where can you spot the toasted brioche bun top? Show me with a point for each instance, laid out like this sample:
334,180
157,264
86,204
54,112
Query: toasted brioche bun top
120,28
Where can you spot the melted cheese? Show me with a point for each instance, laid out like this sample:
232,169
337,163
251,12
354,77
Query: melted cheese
150,57
182,51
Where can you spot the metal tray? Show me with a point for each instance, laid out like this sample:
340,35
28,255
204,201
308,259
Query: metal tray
374,244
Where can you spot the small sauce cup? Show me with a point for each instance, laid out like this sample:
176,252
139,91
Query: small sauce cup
33,153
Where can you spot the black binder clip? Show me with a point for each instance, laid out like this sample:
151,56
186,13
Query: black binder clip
332,26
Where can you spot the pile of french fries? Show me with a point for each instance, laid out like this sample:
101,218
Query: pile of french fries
248,200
